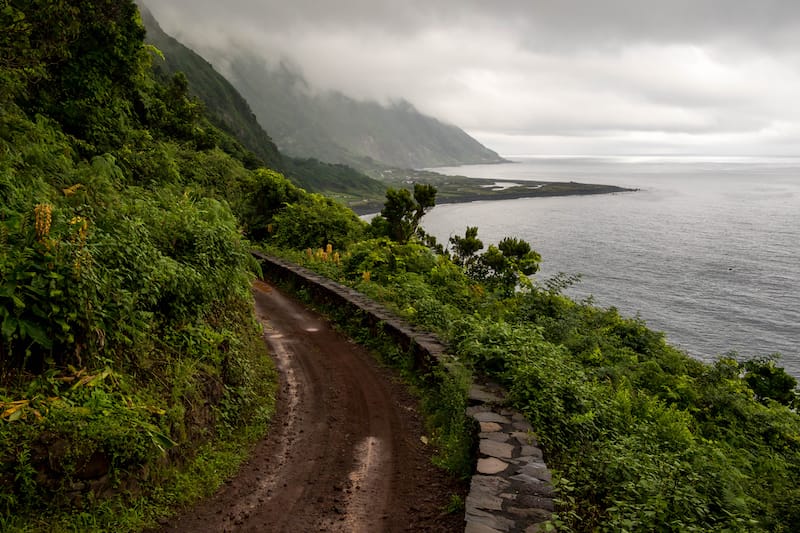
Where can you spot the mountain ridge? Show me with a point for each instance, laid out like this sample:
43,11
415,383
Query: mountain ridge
333,126
229,111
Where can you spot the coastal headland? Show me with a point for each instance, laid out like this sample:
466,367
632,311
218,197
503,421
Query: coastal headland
461,189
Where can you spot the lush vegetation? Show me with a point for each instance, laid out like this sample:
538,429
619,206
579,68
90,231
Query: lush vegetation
128,343
641,436
129,350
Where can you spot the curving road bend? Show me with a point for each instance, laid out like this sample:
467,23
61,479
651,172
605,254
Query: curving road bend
344,452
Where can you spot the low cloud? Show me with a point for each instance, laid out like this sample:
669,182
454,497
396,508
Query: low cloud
554,76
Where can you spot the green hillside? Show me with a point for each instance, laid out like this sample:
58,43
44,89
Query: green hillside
132,369
133,375
329,123
229,111
225,107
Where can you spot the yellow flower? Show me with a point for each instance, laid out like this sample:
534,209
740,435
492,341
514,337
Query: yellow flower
83,228
69,191
43,214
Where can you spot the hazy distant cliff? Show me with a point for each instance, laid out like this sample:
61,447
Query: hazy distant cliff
334,127
253,98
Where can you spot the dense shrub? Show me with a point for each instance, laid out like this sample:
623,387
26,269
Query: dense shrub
315,222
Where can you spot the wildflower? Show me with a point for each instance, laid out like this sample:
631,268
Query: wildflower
69,191
83,228
366,275
43,214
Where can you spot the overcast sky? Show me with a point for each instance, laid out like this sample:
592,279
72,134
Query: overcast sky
713,77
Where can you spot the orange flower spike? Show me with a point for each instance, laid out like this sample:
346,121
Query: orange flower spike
43,214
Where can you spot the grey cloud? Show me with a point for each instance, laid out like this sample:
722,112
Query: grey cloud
562,22
670,72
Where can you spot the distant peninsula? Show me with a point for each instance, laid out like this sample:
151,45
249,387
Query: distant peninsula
462,189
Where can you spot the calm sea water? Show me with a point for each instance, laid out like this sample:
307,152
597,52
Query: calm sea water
707,251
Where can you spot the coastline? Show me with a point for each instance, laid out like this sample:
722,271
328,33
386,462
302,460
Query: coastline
456,191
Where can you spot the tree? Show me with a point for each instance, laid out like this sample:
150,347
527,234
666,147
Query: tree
465,248
30,41
401,214
314,222
425,197
92,64
520,255
506,265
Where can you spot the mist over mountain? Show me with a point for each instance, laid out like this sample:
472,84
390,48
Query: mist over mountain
225,106
254,97
334,127
228,110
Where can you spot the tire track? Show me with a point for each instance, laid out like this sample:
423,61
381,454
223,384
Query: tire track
344,451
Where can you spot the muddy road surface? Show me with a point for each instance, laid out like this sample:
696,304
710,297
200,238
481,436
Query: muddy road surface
343,453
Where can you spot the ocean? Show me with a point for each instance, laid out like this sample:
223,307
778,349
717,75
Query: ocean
707,250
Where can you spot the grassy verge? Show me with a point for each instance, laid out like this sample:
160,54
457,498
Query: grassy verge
175,478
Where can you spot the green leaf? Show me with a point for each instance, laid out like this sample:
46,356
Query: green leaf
37,334
7,290
9,326
162,441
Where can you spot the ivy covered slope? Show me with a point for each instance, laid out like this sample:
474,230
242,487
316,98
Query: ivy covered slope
640,436
127,336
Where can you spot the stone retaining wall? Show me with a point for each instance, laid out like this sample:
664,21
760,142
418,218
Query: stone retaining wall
424,347
511,489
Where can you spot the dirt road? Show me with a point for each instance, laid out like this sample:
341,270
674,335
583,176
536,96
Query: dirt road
344,452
